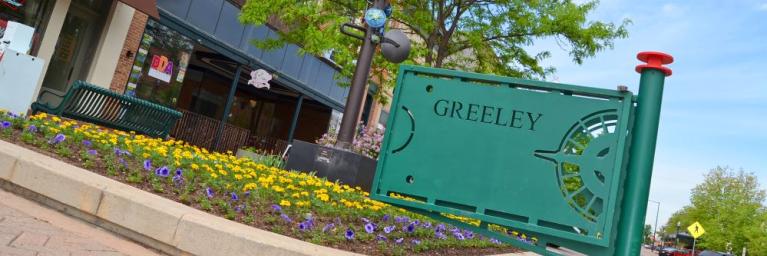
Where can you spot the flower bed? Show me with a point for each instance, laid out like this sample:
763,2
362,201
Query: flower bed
289,203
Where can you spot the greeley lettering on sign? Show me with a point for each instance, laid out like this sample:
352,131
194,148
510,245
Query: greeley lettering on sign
487,114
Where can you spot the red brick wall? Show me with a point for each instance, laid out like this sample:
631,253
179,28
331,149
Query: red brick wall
132,41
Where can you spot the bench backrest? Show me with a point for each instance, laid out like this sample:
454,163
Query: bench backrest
101,106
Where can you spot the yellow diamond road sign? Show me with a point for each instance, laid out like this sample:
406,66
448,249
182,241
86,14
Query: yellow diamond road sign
696,230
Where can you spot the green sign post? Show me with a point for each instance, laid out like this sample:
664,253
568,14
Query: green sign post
645,130
544,159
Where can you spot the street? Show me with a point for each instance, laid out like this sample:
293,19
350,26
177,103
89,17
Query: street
647,252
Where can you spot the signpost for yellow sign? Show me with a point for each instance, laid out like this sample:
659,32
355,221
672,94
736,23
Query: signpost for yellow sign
696,230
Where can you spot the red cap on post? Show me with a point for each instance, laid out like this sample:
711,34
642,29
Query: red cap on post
654,60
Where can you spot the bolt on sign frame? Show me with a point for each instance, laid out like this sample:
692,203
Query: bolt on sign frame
542,159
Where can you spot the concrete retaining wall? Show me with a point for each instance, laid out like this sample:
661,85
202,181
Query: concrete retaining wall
149,219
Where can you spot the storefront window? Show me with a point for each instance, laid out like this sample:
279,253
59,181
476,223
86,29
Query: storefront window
33,13
160,66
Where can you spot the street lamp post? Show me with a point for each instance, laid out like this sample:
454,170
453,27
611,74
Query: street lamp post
676,243
655,227
357,89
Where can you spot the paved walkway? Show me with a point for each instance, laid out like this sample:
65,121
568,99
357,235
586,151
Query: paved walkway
647,252
27,228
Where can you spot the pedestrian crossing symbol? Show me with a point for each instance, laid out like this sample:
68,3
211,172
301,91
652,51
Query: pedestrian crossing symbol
696,230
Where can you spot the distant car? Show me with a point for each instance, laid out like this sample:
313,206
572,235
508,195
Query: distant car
713,253
681,252
668,251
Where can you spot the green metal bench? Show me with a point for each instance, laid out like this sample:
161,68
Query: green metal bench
93,104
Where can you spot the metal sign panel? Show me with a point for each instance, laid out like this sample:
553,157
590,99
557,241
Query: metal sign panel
543,158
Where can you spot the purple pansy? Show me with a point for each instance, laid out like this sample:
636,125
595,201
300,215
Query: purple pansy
178,180
468,234
385,217
309,220
380,237
87,143
416,222
459,236
179,172
328,227
389,229
366,220
416,241
92,152
426,224
399,240
148,165
32,128
276,208
440,235
401,219
238,208
209,192
247,193
370,228
234,196
122,161
440,228
58,139
409,228
286,217
5,124
303,226
495,241
349,234
162,171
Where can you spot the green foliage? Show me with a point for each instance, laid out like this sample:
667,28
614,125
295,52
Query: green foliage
479,36
647,234
729,206
265,158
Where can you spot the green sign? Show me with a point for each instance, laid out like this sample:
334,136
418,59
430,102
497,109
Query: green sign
544,159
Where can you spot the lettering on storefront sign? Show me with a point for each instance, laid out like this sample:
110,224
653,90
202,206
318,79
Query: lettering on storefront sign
161,68
14,4
494,115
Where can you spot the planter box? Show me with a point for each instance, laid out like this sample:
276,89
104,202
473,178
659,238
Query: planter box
334,164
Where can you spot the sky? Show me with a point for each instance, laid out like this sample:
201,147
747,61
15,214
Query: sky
714,109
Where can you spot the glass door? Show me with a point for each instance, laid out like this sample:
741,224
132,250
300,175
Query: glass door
74,48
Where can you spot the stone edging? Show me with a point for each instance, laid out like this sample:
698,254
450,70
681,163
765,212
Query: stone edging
149,219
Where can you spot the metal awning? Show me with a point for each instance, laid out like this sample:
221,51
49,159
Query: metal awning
146,6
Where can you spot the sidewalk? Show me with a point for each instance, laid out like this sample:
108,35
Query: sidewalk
27,228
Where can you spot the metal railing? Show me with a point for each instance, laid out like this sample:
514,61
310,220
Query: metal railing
200,130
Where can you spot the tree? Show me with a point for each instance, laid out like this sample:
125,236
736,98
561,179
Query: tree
757,236
472,35
647,234
729,205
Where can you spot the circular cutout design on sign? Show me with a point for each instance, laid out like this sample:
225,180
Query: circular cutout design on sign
583,163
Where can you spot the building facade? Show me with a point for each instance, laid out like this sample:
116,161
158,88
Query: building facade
191,55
